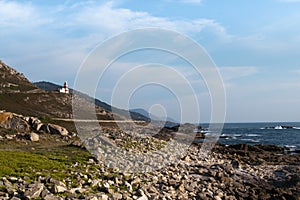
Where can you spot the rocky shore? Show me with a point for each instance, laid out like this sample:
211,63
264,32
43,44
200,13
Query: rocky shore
226,173
223,174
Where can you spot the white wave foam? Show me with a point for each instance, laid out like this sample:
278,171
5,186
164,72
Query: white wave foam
237,135
252,135
251,140
279,127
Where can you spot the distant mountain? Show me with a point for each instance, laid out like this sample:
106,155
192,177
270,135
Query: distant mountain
48,86
151,116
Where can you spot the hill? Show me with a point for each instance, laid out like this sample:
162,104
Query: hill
151,116
19,95
52,87
12,81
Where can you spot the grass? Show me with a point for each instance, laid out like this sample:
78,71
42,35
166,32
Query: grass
56,162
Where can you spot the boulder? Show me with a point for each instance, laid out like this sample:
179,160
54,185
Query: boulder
35,123
5,117
51,197
103,197
19,124
59,189
45,128
235,164
34,137
34,191
56,129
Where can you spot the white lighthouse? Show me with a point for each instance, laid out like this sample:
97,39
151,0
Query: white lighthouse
65,89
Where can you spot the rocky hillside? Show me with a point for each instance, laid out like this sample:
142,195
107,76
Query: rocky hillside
11,81
51,87
19,95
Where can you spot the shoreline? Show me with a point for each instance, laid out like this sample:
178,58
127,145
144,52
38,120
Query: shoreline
229,172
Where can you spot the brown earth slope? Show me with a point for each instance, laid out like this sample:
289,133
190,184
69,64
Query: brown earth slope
19,95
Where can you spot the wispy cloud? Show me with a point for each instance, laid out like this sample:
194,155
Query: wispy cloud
230,73
65,33
108,17
12,13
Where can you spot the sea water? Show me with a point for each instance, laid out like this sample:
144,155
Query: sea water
261,133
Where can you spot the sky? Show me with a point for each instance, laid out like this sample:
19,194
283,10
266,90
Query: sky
254,44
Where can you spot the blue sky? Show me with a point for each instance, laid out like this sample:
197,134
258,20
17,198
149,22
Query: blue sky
255,44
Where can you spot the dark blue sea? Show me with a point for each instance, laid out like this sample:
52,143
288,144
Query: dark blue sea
284,134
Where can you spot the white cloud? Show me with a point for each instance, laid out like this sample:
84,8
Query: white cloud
16,14
229,73
87,18
59,32
11,12
109,18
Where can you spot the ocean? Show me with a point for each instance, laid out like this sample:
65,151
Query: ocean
285,134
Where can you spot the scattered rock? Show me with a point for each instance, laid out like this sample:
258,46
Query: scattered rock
34,191
59,189
235,164
55,129
103,197
34,137
222,174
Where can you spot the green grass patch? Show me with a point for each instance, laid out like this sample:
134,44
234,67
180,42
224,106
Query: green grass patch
42,162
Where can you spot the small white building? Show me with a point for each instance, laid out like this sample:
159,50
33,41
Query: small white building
65,89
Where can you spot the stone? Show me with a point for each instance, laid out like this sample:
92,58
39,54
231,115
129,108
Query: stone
103,197
129,187
35,123
106,185
80,190
181,188
34,191
37,126
13,179
15,198
19,124
4,119
187,159
116,196
45,192
217,198
56,129
144,197
95,182
34,137
235,164
59,189
51,197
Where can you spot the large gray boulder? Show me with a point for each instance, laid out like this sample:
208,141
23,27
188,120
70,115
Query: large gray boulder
56,129
10,120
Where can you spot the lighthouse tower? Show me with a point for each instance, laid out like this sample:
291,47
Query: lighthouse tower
65,89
